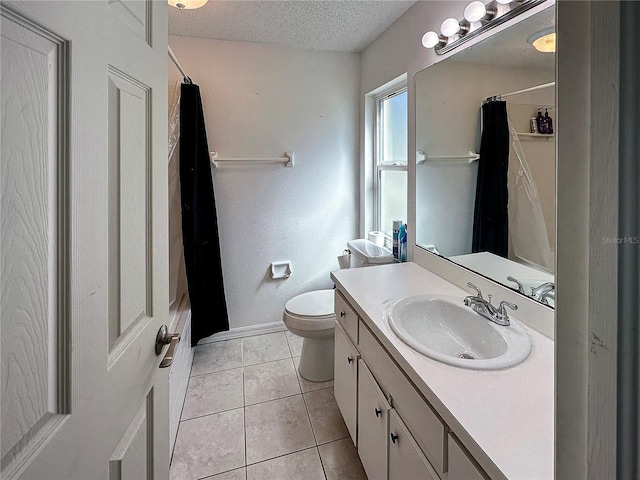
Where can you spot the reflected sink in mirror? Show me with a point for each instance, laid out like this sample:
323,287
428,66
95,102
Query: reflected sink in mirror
444,329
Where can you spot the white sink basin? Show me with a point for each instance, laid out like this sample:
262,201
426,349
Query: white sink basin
444,329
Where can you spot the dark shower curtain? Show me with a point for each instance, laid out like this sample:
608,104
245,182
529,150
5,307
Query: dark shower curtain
199,222
491,221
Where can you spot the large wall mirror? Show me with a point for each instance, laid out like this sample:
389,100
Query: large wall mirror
452,131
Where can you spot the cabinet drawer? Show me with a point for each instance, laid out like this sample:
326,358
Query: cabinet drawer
373,419
346,317
406,461
345,380
426,427
461,465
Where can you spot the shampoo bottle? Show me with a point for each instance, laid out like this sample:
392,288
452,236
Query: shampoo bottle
541,122
548,121
396,244
402,239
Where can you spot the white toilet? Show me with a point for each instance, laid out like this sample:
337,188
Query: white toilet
312,316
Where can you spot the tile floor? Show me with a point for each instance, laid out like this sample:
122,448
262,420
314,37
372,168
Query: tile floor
248,415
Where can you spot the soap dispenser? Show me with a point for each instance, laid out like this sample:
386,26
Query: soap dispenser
541,122
548,121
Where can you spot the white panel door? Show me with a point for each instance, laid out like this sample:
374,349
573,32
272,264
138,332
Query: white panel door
83,239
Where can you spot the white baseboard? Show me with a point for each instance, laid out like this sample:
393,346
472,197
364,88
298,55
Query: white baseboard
241,332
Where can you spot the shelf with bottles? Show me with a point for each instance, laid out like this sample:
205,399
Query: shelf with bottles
548,136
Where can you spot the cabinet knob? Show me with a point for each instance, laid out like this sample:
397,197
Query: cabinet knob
342,314
349,359
378,412
394,438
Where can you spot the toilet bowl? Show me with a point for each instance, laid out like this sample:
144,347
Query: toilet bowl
312,316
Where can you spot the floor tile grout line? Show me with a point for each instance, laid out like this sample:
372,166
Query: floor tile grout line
215,371
324,471
313,430
283,455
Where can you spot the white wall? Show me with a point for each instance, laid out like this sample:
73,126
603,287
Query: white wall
260,101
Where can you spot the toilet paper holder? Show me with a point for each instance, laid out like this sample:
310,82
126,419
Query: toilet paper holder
280,270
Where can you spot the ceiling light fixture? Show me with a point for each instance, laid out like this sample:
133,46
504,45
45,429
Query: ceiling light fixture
478,18
544,40
187,4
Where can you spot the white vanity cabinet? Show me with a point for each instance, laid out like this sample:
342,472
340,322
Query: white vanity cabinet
406,460
345,379
461,465
398,434
373,425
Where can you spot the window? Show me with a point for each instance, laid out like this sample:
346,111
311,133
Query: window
390,156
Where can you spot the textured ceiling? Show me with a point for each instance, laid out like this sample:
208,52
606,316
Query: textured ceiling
344,26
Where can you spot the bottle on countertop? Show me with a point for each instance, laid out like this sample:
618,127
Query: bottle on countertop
396,243
402,240
548,121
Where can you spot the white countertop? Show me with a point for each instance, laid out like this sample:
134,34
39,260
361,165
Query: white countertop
505,418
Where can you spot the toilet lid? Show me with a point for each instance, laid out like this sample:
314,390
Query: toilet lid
318,303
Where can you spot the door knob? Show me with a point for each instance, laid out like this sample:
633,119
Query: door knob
165,338
162,339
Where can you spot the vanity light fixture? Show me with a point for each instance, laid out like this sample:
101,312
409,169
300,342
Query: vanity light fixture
544,40
431,39
449,27
187,4
477,12
478,18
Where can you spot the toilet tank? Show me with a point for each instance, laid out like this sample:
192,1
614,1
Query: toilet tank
365,253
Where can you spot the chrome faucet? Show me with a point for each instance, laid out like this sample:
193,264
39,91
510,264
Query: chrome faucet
538,292
544,298
484,307
518,282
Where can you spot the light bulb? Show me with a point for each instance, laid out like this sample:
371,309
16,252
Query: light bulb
475,11
450,27
187,4
430,39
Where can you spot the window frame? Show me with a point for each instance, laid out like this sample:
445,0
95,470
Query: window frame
379,167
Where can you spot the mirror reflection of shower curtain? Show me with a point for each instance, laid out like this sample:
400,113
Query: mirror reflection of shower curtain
527,227
177,276
490,218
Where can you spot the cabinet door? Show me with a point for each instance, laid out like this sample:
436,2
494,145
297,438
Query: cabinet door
345,382
373,420
406,460
346,316
461,465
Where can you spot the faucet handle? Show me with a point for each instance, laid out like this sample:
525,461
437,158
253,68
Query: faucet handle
518,282
478,292
501,309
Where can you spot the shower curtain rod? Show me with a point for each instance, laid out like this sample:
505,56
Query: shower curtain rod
173,58
518,92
